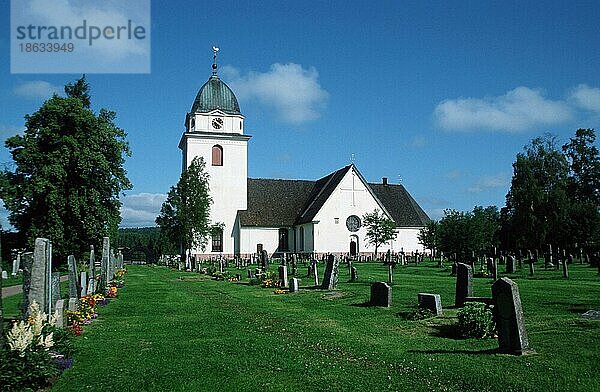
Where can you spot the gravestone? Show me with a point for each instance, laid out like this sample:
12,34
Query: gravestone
494,270
390,274
59,313
74,289
510,323
381,294
330,278
565,268
315,272
104,267
55,287
464,284
432,302
83,281
353,274
73,304
294,285
91,286
264,259
27,265
531,263
294,264
92,263
510,264
4,274
591,315
40,274
16,266
283,276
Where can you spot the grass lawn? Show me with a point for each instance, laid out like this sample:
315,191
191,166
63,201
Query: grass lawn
164,333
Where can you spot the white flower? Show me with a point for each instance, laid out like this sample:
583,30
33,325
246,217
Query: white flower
46,342
20,337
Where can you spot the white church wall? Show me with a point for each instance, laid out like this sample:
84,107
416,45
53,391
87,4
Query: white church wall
251,236
351,197
407,240
228,183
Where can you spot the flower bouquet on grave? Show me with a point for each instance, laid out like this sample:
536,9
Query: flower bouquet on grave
111,292
120,273
117,283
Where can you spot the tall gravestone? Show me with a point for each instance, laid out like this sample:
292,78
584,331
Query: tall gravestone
464,283
104,267
83,281
510,323
74,289
92,263
40,271
27,265
55,287
315,272
330,278
353,274
381,294
283,276
510,264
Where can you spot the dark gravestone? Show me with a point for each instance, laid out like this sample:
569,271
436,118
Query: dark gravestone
294,285
381,294
330,278
510,265
74,289
55,287
432,302
464,283
264,259
510,323
353,274
283,276
27,265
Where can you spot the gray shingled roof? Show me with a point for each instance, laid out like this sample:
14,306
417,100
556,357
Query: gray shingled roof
284,203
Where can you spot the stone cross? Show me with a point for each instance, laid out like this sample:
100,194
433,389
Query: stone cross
330,278
464,284
381,294
74,289
510,323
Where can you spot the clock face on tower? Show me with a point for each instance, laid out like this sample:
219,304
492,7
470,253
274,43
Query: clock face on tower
353,223
217,123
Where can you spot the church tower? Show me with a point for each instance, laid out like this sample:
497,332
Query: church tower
214,130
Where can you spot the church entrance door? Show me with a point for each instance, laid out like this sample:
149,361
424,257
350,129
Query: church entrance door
353,245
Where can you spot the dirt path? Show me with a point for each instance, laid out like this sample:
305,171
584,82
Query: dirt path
14,290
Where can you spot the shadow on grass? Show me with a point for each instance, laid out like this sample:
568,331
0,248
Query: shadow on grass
491,351
363,305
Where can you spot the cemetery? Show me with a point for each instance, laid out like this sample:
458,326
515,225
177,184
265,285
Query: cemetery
179,329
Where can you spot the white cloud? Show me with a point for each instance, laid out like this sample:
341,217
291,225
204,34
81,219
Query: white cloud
99,13
140,210
518,110
484,183
293,91
586,97
36,89
436,213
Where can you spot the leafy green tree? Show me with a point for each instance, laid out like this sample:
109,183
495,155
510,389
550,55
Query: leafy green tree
583,187
485,227
537,202
68,173
380,229
428,236
184,216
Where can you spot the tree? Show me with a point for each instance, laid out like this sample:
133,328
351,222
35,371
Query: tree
583,187
380,229
184,216
536,204
428,236
68,173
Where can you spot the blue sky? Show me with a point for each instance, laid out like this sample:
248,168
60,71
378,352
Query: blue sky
438,95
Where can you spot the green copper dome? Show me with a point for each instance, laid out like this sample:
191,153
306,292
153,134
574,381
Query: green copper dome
215,94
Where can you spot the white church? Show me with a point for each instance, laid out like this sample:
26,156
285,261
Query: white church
292,216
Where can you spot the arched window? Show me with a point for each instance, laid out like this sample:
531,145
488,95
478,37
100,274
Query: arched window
217,241
217,155
301,238
283,240
193,124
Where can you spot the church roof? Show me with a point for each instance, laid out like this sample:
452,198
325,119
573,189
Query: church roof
215,94
281,203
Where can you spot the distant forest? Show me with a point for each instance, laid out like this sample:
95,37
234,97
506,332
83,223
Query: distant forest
143,244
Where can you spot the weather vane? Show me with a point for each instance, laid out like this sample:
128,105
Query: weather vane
214,66
352,158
